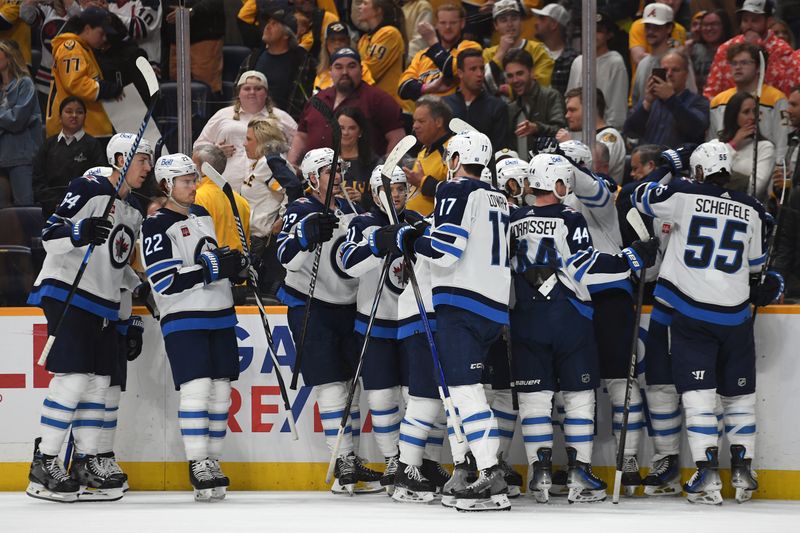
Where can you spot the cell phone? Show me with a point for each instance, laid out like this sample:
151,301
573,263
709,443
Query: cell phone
660,73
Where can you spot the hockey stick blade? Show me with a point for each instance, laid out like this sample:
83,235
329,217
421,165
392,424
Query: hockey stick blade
214,176
634,218
400,149
458,126
149,75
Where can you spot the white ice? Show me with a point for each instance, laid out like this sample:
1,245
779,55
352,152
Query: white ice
319,512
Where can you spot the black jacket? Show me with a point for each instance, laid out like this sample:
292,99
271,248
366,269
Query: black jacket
787,244
487,114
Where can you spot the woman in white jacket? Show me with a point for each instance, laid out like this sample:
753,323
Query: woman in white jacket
738,129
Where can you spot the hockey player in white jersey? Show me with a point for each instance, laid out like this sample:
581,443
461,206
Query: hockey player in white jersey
466,246
718,240
84,353
330,344
552,333
191,280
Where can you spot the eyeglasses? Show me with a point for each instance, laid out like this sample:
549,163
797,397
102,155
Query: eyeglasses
735,64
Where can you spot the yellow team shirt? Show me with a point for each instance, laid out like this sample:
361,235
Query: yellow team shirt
19,32
431,158
218,206
307,39
423,68
636,36
382,52
542,62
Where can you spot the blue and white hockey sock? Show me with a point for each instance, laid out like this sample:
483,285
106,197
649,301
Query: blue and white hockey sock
506,416
701,421
419,420
384,404
480,425
537,426
218,408
89,415
616,391
436,435
193,417
331,399
106,443
58,410
663,404
355,418
579,423
740,421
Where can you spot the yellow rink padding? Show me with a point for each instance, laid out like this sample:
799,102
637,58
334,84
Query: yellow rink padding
773,484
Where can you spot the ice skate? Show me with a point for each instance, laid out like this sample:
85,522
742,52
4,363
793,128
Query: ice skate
631,479
511,476
664,478
109,462
387,479
458,481
436,473
488,493
368,481
410,486
559,487
97,484
743,478
583,485
201,476
49,480
705,485
352,477
221,481
542,477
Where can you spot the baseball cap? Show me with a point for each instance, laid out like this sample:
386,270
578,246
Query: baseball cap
345,52
555,12
759,7
505,6
95,16
283,13
253,74
658,14
336,28
604,21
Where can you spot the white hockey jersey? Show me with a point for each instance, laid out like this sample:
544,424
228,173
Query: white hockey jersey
143,20
49,23
99,289
171,243
467,246
334,285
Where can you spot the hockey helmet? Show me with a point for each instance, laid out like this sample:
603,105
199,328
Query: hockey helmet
512,169
711,158
486,176
376,180
546,170
173,166
121,143
505,153
578,152
472,147
313,161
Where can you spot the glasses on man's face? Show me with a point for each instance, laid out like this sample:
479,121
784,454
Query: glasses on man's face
736,64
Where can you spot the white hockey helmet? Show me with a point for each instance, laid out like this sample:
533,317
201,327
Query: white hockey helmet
578,152
376,181
313,161
173,166
486,176
121,143
711,157
472,147
545,170
512,169
505,153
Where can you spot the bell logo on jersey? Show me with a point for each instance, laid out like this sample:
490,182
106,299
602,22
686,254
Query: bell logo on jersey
665,228
699,375
185,231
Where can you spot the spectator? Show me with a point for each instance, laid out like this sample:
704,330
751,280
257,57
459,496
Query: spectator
383,47
782,31
415,12
601,158
14,28
792,158
611,74
787,246
479,20
65,156
641,41
206,32
433,70
380,109
227,128
356,152
644,160
738,130
316,17
754,25
142,20
669,114
431,119
551,29
473,104
604,133
507,21
336,37
715,28
76,72
743,60
20,123
535,111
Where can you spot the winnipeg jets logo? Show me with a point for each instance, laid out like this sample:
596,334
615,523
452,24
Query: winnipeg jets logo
398,276
120,244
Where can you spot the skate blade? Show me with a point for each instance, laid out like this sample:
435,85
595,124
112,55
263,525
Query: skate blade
406,496
559,490
541,495
40,492
586,495
368,487
629,490
389,489
514,491
743,495
89,494
672,489
713,497
125,486
203,495
498,502
448,500
218,493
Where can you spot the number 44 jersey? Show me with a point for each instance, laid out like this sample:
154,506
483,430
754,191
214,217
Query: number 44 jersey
717,239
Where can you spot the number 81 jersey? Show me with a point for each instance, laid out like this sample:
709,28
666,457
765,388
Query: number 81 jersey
717,239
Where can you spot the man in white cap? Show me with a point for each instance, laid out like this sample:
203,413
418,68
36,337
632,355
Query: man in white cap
658,26
638,43
754,18
551,29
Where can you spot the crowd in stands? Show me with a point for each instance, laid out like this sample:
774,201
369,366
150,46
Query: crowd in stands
669,73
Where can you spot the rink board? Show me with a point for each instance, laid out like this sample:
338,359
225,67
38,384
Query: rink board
259,451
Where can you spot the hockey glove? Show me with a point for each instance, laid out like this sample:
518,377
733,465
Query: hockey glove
222,263
92,230
109,90
316,228
641,254
394,239
548,145
133,339
419,222
762,294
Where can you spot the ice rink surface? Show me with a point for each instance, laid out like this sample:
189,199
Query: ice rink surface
318,512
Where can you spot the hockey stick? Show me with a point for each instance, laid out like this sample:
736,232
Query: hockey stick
327,112
773,236
388,205
459,126
252,279
152,88
761,72
636,222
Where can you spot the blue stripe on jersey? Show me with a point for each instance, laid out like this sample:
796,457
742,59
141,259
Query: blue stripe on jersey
661,316
452,229
443,247
586,266
600,190
473,302
686,306
586,310
195,323
412,328
81,300
624,284
162,265
646,199
378,331
163,284
289,299
758,261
